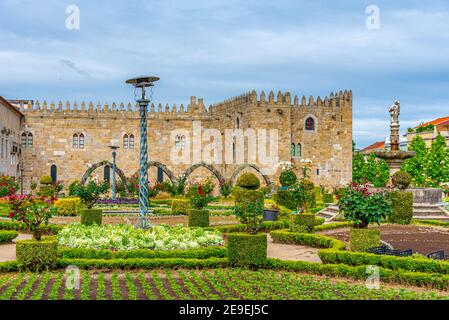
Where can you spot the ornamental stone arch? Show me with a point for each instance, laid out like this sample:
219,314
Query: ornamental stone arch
100,164
253,166
164,168
210,167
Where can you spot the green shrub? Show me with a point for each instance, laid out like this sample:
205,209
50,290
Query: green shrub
248,180
287,199
401,180
302,222
7,236
241,194
180,206
33,255
319,221
71,188
266,226
361,238
198,218
401,208
287,178
91,216
68,206
332,226
306,239
328,198
46,190
246,250
20,226
46,180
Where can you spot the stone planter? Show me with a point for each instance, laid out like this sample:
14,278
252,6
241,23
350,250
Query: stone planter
426,195
270,215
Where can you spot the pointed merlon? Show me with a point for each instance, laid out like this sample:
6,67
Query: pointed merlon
114,106
83,106
122,106
288,98
319,102
91,106
52,106
262,96
280,98
181,108
326,101
75,106
311,102
303,101
106,107
59,105
159,107
152,108
271,98
129,107
167,108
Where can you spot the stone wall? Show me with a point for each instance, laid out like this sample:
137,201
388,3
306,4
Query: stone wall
10,125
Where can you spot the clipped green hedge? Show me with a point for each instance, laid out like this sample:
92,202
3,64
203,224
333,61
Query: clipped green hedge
306,239
139,263
431,223
361,239
328,198
332,226
420,279
8,236
199,253
33,255
180,206
245,250
240,194
198,218
91,216
248,180
68,206
302,222
402,207
286,198
386,261
20,226
266,226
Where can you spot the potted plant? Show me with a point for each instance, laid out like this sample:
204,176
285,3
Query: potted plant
249,248
36,254
89,195
363,207
271,213
198,216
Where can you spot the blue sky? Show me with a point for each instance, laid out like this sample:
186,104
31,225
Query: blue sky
218,49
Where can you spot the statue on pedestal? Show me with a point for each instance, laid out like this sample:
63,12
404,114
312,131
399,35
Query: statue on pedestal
395,110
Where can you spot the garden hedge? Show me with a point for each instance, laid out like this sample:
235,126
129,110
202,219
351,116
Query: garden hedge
328,198
402,207
199,253
248,180
241,194
33,255
91,216
426,265
302,222
306,239
198,218
361,239
266,226
420,279
20,226
286,198
332,226
431,223
68,206
180,206
139,263
8,236
245,250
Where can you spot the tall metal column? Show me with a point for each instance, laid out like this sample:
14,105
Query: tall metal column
114,179
142,83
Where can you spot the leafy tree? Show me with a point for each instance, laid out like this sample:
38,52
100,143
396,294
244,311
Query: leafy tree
437,162
416,166
358,163
373,170
90,193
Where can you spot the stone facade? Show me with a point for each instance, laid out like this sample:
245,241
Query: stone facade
10,129
54,127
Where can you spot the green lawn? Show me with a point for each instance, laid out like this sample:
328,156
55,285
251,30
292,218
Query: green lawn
188,284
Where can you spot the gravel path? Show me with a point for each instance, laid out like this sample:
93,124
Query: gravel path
292,252
8,251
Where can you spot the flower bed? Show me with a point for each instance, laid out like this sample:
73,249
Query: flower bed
126,237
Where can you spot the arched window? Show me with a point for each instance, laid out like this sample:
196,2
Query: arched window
125,141
298,152
75,141
180,142
54,173
310,124
23,140
30,140
131,141
107,174
292,150
81,141
237,123
26,140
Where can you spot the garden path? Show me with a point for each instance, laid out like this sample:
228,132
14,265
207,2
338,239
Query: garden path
8,251
292,252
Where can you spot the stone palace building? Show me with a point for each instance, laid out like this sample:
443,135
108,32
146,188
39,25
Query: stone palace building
66,140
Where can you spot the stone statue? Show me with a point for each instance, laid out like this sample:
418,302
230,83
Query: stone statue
395,110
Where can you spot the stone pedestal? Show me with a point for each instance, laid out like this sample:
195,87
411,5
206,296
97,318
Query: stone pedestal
394,158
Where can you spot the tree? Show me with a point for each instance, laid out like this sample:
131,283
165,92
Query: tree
437,162
373,170
358,163
416,166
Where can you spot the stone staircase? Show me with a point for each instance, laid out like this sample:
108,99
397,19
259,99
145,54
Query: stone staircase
329,213
423,211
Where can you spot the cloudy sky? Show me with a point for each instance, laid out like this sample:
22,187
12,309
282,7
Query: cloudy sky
217,49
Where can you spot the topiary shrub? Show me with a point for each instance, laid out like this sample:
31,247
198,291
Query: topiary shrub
46,180
328,198
33,255
91,216
361,239
401,180
246,250
401,208
287,199
198,218
241,194
68,206
248,180
180,206
8,236
302,222
287,178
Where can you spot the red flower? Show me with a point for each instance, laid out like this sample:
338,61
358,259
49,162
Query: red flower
11,214
200,190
